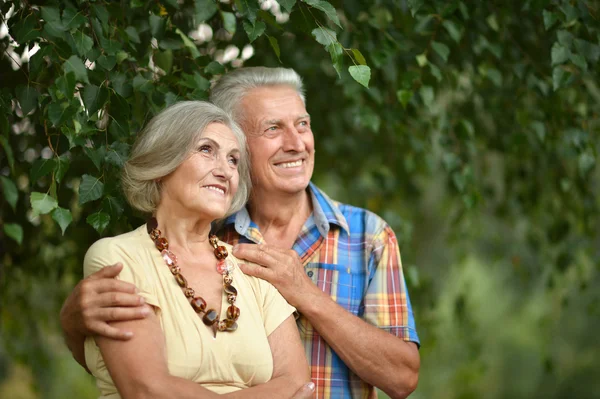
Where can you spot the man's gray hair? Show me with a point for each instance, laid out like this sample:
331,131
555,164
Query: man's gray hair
231,88
166,142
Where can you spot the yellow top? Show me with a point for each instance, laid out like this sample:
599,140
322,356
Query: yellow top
225,363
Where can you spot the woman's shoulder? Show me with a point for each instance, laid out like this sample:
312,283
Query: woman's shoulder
125,242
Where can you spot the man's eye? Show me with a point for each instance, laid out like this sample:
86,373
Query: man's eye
272,128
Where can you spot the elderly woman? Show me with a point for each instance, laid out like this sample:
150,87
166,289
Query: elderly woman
211,330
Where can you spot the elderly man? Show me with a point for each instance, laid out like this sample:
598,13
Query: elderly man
337,264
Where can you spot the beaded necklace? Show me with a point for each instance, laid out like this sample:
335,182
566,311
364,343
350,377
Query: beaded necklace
224,267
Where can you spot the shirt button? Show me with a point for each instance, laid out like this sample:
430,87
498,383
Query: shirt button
310,273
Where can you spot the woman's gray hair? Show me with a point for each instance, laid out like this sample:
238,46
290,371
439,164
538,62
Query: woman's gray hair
231,88
166,142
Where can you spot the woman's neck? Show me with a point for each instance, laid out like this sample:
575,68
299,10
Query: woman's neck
183,230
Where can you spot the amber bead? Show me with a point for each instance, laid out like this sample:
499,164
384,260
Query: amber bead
227,325
210,317
161,243
189,292
181,280
230,289
199,304
214,241
231,298
233,312
175,269
155,234
221,252
227,279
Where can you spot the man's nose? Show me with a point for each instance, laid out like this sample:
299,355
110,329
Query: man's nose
292,140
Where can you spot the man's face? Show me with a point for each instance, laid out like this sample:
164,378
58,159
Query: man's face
281,143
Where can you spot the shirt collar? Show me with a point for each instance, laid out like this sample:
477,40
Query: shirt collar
325,213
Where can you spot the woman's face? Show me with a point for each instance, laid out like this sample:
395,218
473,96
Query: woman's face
206,182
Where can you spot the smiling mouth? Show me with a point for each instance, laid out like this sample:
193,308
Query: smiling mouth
294,164
217,189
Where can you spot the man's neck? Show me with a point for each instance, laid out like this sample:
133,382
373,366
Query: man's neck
280,217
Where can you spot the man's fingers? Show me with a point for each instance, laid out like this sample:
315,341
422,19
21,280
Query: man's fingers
121,314
117,299
107,272
306,391
260,254
109,331
256,271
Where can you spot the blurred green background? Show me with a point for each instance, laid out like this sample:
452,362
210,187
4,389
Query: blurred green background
477,139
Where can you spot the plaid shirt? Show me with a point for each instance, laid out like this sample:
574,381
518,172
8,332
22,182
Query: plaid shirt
352,255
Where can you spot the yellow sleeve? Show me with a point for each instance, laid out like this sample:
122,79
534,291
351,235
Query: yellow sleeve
109,251
274,307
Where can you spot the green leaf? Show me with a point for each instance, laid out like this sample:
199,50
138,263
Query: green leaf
94,98
275,46
550,19
435,71
214,68
441,49
83,43
40,168
495,76
62,164
72,18
427,95
75,65
327,8
558,77
589,50
96,155
66,85
287,5
492,21
229,21
586,162
99,221
14,231
102,13
336,51
404,96
117,154
132,34
157,26
205,9
195,81
142,84
188,43
453,30
107,62
63,217
11,194
565,38
113,206
9,153
414,6
26,29
53,26
90,189
324,36
248,9
254,31
58,112
164,60
361,73
359,57
27,97
579,61
42,203
560,54
422,60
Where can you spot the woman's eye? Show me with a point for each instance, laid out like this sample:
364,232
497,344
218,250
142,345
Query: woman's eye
234,161
205,149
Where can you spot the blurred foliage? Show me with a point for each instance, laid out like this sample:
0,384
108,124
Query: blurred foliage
477,139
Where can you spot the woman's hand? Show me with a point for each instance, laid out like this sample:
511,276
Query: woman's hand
306,391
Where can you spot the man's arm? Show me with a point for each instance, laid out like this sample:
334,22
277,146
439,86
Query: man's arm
96,301
377,357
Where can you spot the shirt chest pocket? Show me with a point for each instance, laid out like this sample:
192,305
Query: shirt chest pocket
346,287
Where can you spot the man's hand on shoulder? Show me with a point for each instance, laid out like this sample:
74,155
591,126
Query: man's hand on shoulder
98,300
280,267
